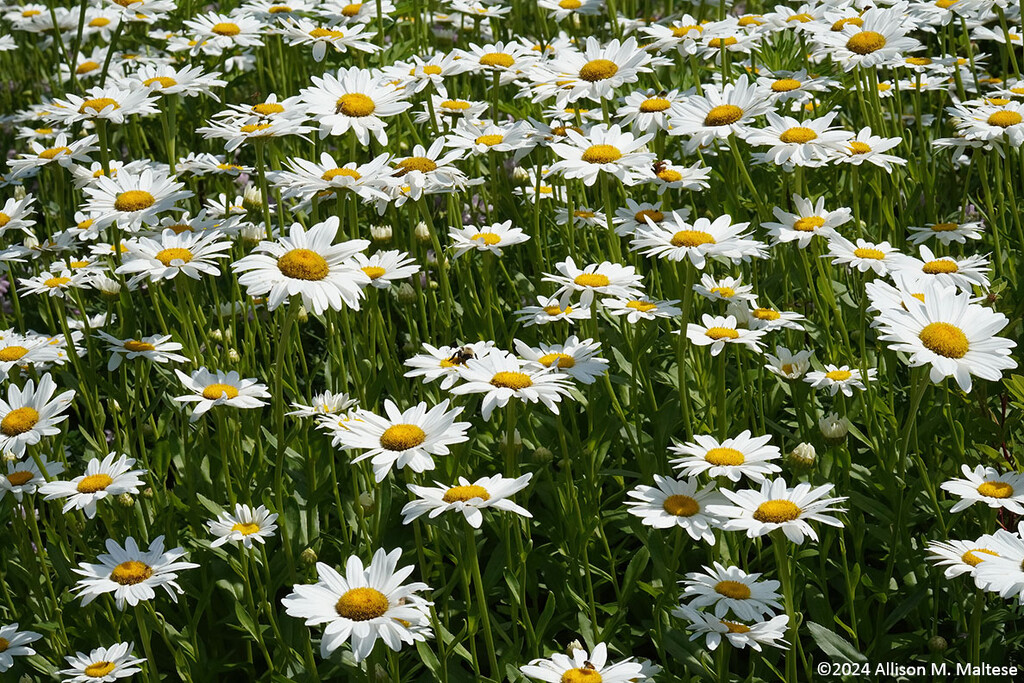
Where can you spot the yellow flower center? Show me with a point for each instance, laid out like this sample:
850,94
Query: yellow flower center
801,18
598,70
460,494
98,104
87,66
849,21
601,154
777,511
679,505
421,164
19,421
944,227
226,28
733,589
326,33
136,346
54,282
569,4
839,375
4,219
560,360
267,108
724,457
642,306
10,353
722,333
766,314
218,390
99,22
402,437
592,280
303,264
279,9
134,200
940,266
131,573
972,558
669,176
94,483
858,147
655,215
945,339
723,115
4,644
362,604
99,669
735,627
333,173
995,489
785,85
511,380
809,224
351,9
865,252
254,127
1005,119
355,105
19,479
865,42
497,59
555,310
246,529
798,135
490,140
432,70
162,81
683,31
168,256
724,292
374,272
585,675
488,238
722,42
54,151
455,104
692,238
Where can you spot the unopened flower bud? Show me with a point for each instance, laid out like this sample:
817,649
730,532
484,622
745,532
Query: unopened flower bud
422,232
405,294
252,199
542,456
31,242
366,501
303,315
520,175
20,192
573,646
216,335
115,407
9,456
147,493
801,458
233,355
381,233
834,428
937,644
308,557
126,500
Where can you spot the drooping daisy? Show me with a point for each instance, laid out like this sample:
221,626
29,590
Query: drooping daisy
951,334
133,200
642,308
385,267
582,667
739,635
732,590
987,485
502,377
604,149
677,502
132,574
445,363
15,644
719,113
606,278
157,348
492,238
25,476
719,239
839,378
102,665
787,364
307,264
716,331
575,358
774,506
246,526
466,497
363,605
742,455
30,413
809,220
217,388
105,478
404,438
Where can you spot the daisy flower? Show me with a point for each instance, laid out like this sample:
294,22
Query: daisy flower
987,485
337,36
879,39
1003,574
481,138
605,278
864,256
502,376
466,497
787,364
963,557
605,149
363,605
951,334
30,413
173,254
216,32
111,103
990,122
16,214
307,179
946,233
717,331
742,455
105,478
719,113
492,238
157,348
562,9
187,81
575,358
353,100
724,289
732,590
670,176
676,240
871,149
246,526
404,438
326,403
133,200
739,635
62,153
581,666
839,378
102,665
15,644
25,476
774,506
811,143
677,502
53,283
220,388
649,111
308,264
132,574
962,273
445,363
749,314
552,309
385,267
810,219
25,351
642,308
